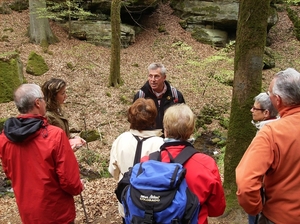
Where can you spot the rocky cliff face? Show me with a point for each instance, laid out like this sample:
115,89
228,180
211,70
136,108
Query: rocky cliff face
212,22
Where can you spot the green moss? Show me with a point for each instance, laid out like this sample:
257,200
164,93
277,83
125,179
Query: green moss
162,28
11,75
4,38
89,136
9,29
70,65
124,99
293,16
36,65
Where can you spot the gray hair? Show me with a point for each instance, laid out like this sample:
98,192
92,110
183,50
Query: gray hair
287,86
25,96
265,103
154,66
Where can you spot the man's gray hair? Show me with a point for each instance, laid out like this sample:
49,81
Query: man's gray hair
25,95
287,86
154,66
265,103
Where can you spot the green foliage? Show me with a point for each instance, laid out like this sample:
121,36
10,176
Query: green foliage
161,28
4,38
63,11
220,157
208,114
70,66
9,29
124,99
224,122
293,2
229,47
90,157
93,159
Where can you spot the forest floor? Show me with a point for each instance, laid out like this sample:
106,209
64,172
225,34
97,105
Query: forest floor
197,70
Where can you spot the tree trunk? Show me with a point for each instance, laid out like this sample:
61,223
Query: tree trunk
114,77
39,29
248,64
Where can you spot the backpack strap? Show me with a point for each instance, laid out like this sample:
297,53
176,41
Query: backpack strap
174,94
155,156
185,154
141,94
138,151
181,158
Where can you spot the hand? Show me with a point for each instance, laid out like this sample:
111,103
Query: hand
82,182
76,143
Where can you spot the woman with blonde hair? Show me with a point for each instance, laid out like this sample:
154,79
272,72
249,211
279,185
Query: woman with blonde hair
202,173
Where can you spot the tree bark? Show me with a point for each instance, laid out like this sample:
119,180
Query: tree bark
39,29
248,64
115,77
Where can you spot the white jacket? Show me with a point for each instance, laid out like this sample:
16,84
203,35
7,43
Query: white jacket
123,151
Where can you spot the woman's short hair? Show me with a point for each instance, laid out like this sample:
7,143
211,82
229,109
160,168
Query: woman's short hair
179,122
142,114
265,103
50,89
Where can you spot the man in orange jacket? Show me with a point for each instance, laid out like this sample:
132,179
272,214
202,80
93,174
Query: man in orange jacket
272,159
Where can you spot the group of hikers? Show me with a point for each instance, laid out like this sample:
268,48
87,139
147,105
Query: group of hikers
37,152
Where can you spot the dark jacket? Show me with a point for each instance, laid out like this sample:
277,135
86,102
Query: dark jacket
42,167
59,121
166,101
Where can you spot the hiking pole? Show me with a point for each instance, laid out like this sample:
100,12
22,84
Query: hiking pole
82,202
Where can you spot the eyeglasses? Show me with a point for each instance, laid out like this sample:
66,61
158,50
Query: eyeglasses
254,108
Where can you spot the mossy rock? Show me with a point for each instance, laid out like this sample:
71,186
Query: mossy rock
19,5
36,64
11,75
89,136
4,8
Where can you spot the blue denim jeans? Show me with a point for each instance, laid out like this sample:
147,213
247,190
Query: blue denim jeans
251,219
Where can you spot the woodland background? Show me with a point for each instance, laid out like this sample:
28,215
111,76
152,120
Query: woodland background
201,72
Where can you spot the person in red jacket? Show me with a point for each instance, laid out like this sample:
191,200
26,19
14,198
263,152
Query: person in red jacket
38,159
203,177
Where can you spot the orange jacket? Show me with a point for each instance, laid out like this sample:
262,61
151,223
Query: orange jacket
274,154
